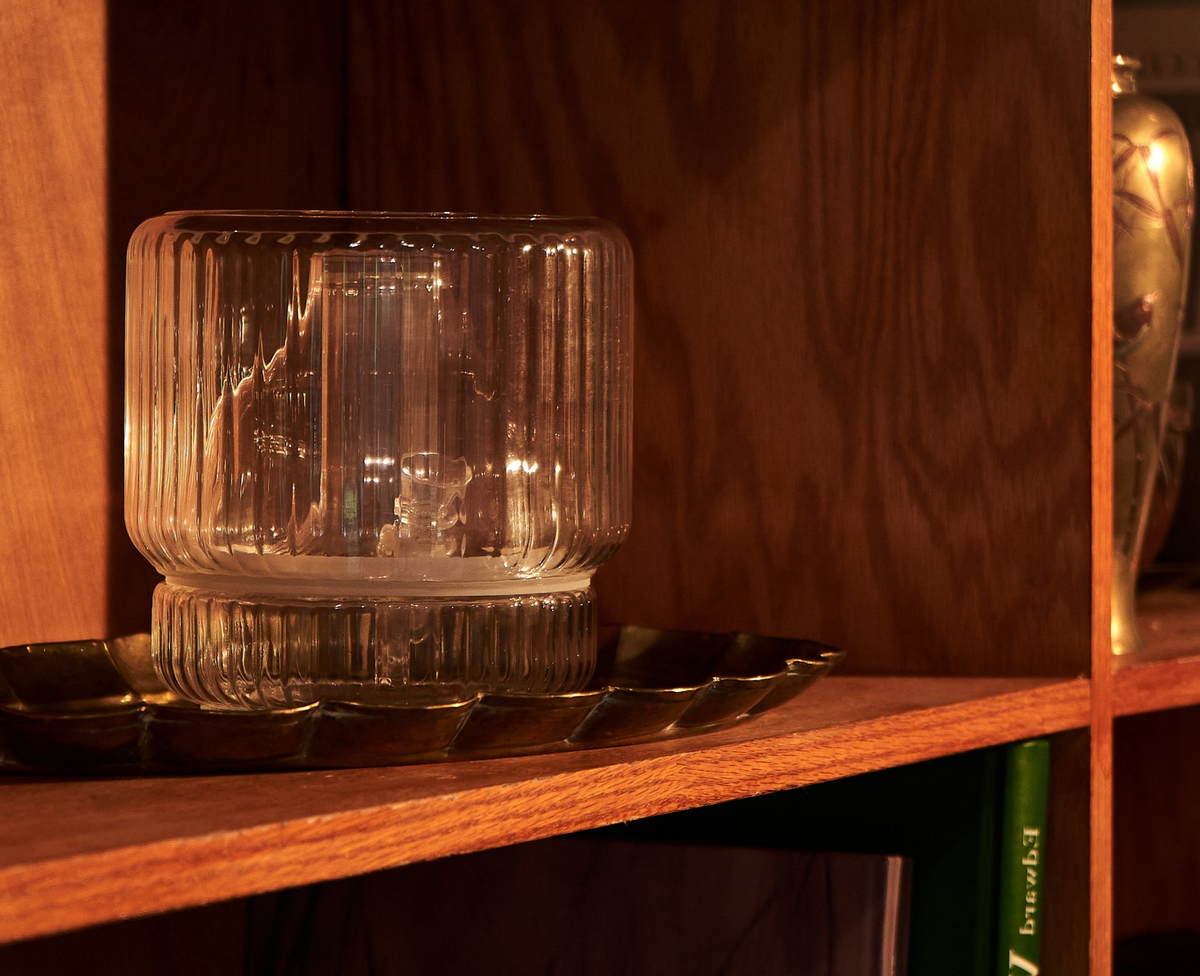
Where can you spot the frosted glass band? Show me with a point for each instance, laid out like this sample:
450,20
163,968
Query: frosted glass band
392,589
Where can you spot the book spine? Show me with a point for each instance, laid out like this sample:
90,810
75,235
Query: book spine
1022,859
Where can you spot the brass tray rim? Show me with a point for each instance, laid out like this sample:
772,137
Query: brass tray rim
135,726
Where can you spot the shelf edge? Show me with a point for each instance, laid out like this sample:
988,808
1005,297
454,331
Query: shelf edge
50,896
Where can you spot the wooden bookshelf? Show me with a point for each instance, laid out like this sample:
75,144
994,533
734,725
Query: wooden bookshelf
873,388
125,847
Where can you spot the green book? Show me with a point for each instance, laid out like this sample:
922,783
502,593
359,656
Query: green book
1022,859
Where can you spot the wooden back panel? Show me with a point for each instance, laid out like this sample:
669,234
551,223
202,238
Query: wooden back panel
864,294
864,289
222,105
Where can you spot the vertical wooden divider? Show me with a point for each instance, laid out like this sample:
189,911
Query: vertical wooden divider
55,496
1101,805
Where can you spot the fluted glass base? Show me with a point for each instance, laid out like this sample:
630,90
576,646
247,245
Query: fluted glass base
271,651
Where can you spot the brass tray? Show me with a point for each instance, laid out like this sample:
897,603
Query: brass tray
89,707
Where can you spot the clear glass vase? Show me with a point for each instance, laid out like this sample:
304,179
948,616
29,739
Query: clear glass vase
377,457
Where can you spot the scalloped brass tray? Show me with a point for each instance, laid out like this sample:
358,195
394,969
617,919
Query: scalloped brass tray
92,707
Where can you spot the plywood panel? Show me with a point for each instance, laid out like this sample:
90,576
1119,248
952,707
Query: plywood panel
864,294
54,409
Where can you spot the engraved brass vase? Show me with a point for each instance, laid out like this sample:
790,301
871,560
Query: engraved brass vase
1152,220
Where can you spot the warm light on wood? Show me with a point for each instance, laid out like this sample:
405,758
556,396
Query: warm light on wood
126,847
55,448
872,405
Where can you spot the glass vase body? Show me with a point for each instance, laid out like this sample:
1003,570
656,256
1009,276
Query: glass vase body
1152,218
377,457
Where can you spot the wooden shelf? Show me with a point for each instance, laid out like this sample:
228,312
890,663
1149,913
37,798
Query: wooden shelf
885,471
125,847
1166,673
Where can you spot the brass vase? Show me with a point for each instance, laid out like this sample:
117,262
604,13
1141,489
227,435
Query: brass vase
1152,218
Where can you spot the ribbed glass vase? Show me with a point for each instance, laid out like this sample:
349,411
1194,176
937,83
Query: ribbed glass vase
377,457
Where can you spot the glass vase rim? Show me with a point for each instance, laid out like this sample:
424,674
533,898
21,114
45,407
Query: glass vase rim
258,220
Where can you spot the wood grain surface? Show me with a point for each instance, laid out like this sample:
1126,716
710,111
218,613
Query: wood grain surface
1100,785
54,409
124,847
221,105
1166,672
871,263
115,113
1156,860
565,905
864,293
1156,782
1076,924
